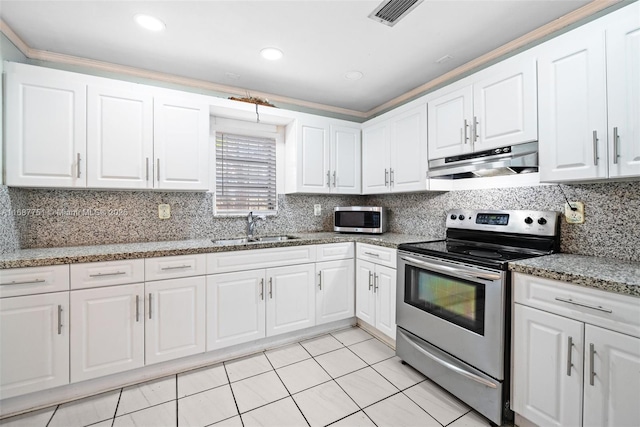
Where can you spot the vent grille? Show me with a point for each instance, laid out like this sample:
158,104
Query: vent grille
391,11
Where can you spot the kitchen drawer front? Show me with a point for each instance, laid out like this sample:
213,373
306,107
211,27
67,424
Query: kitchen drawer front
107,273
33,280
334,251
174,267
606,309
377,254
225,262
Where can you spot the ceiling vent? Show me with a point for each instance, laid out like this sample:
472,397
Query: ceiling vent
389,12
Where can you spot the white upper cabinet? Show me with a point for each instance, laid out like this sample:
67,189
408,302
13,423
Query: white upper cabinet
119,136
45,128
314,158
345,160
589,81
394,153
450,118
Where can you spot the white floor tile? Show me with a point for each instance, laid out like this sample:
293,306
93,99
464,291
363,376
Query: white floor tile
38,418
324,404
198,380
258,390
440,404
402,376
366,386
359,419
247,366
399,411
141,396
231,422
471,419
351,336
372,351
283,413
323,344
302,375
156,416
86,411
340,362
207,407
287,355
107,423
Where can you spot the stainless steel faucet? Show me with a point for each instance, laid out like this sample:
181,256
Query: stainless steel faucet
251,224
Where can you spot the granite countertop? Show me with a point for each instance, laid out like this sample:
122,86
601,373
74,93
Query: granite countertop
602,273
77,254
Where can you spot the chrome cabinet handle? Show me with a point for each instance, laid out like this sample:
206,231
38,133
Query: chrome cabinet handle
370,280
59,320
175,268
147,169
592,372
475,128
386,178
334,178
582,304
391,175
615,146
371,254
569,349
262,289
595,148
329,179
158,170
78,164
375,283
150,306
320,279
271,287
117,273
137,308
454,271
26,282
466,127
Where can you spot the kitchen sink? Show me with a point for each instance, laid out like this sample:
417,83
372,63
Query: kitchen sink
276,238
246,241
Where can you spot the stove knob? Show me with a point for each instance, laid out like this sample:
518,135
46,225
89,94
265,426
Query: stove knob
528,220
542,221
454,217
461,217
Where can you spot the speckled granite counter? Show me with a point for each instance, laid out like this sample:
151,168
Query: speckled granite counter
76,254
603,273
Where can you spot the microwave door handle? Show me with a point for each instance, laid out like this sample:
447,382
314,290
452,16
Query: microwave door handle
454,271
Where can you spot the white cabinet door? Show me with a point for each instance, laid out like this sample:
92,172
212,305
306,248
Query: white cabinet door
505,104
345,160
119,137
335,292
623,90
573,106
450,117
314,156
365,298
290,297
34,343
181,143
547,383
236,308
45,128
375,160
408,171
385,290
107,335
175,319
611,394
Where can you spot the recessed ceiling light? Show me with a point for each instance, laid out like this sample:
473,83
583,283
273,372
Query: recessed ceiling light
149,22
271,53
353,75
232,76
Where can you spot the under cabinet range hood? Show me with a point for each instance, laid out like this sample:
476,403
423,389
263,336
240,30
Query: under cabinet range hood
509,160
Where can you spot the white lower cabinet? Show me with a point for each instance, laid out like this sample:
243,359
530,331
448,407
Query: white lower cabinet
376,296
290,298
335,292
34,343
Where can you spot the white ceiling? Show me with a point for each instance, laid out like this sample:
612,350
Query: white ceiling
321,40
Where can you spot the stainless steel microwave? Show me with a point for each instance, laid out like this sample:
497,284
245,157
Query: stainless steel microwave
360,219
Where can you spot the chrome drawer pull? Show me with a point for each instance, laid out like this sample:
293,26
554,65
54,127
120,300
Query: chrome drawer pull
117,273
150,304
26,282
59,320
592,372
569,348
78,165
320,280
581,304
271,287
595,148
375,283
175,268
615,145
262,289
137,308
371,254
370,280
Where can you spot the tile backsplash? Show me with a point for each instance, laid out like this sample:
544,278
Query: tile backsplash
47,218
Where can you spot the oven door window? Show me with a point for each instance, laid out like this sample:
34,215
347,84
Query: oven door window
455,300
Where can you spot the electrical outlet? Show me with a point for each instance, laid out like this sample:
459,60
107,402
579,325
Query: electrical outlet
317,210
164,211
574,217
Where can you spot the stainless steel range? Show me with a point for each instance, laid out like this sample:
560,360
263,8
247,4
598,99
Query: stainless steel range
454,296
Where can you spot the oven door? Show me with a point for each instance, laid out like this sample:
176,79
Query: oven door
456,307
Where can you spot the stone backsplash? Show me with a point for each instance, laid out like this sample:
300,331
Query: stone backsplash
51,218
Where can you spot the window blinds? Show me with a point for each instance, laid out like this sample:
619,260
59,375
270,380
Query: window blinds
245,173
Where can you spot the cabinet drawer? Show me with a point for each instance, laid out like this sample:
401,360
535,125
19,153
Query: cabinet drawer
107,273
377,254
334,251
607,309
223,262
173,267
33,280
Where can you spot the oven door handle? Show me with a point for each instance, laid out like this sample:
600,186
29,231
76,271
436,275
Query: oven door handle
454,271
449,365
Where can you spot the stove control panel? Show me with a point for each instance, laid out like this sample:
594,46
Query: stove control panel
541,223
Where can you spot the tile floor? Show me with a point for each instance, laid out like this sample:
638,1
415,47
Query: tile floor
346,378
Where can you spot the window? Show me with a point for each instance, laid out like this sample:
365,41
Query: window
245,174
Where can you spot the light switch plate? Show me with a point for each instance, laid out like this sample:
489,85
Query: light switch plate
574,217
317,210
164,211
